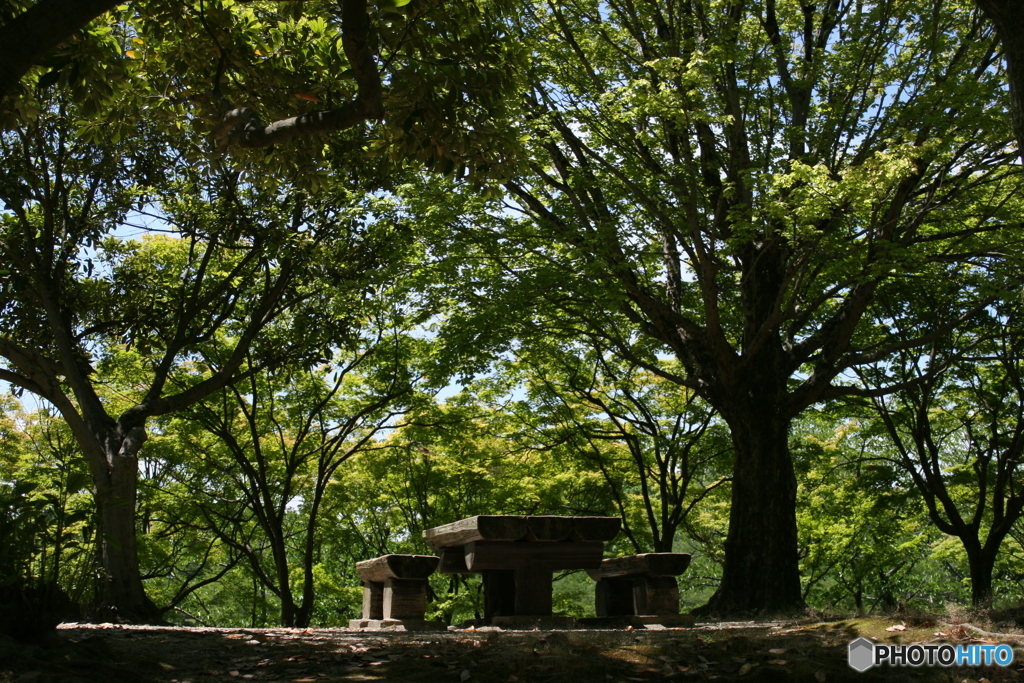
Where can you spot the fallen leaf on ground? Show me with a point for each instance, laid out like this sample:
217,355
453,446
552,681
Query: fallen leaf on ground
465,675
897,627
778,662
745,669
819,675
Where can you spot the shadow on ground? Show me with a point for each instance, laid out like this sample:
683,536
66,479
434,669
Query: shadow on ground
777,651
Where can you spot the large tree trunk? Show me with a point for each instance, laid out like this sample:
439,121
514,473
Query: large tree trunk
762,568
121,595
762,574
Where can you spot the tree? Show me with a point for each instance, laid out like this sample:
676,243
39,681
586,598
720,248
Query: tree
739,181
1008,18
38,30
237,258
224,68
957,428
47,547
277,442
864,535
29,34
659,449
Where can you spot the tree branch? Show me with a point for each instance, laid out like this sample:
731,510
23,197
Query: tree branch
34,33
243,127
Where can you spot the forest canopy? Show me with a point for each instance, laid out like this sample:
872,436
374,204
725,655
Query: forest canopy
283,284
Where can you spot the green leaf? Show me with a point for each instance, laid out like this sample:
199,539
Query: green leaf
48,79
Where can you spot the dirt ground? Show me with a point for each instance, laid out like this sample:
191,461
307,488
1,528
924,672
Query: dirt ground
740,651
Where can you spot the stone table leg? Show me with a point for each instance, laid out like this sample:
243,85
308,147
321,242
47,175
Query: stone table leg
499,594
533,591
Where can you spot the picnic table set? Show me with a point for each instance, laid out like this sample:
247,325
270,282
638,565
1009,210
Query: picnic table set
517,556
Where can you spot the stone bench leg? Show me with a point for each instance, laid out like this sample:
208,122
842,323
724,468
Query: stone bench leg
405,599
614,597
655,595
637,596
395,599
395,592
373,600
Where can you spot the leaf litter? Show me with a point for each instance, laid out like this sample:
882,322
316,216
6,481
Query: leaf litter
744,651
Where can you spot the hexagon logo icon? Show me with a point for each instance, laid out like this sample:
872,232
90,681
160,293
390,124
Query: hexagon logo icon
862,654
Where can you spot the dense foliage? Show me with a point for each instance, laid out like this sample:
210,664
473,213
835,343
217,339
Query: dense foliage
283,284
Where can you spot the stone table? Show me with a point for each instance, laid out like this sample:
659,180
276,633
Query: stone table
518,555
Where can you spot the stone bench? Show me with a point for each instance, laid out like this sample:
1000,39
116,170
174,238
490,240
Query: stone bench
639,585
395,591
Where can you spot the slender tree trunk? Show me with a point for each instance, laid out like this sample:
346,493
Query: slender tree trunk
304,613
980,564
762,574
280,549
664,544
287,612
981,560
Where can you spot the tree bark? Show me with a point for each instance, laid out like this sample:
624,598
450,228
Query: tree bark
1008,18
980,563
762,573
122,595
31,35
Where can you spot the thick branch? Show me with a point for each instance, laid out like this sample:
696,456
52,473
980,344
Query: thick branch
243,126
1008,18
34,33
